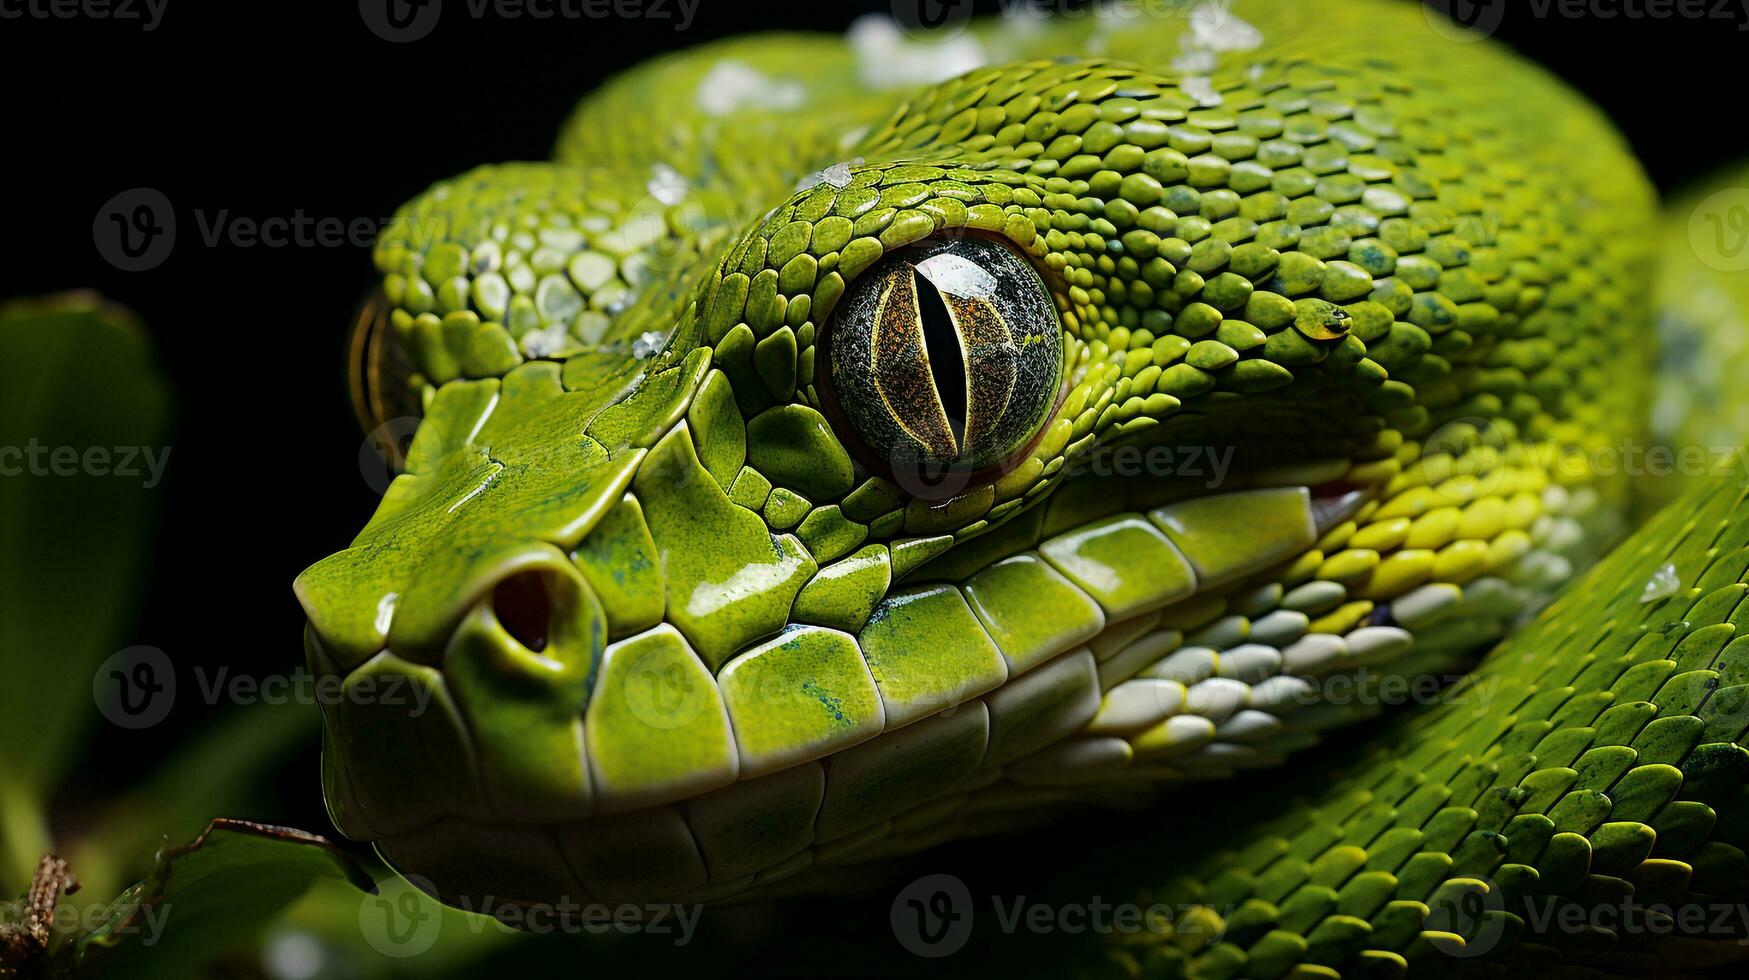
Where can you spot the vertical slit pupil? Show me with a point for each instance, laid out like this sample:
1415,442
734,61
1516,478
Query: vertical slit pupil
947,363
523,608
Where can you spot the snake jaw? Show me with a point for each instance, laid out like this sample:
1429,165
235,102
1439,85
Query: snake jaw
569,723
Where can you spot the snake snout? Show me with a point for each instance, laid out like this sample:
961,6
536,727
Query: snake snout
474,710
537,617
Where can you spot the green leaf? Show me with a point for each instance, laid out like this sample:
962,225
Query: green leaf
203,899
401,932
220,768
82,450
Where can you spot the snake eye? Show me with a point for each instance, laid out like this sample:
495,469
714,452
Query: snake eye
947,353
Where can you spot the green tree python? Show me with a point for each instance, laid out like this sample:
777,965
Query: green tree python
846,447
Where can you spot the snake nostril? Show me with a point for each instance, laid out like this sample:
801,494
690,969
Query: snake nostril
524,605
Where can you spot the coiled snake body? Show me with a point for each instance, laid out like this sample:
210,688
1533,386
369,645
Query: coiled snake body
820,461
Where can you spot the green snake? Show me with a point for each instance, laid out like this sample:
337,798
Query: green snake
847,446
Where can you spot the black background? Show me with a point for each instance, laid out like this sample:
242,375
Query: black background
266,111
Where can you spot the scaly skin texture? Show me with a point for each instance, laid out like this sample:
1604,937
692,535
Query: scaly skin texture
1575,807
673,637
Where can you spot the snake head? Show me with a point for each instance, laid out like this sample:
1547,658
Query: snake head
761,523
463,596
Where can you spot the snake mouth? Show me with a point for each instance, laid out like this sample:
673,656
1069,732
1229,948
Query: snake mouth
590,767
486,725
